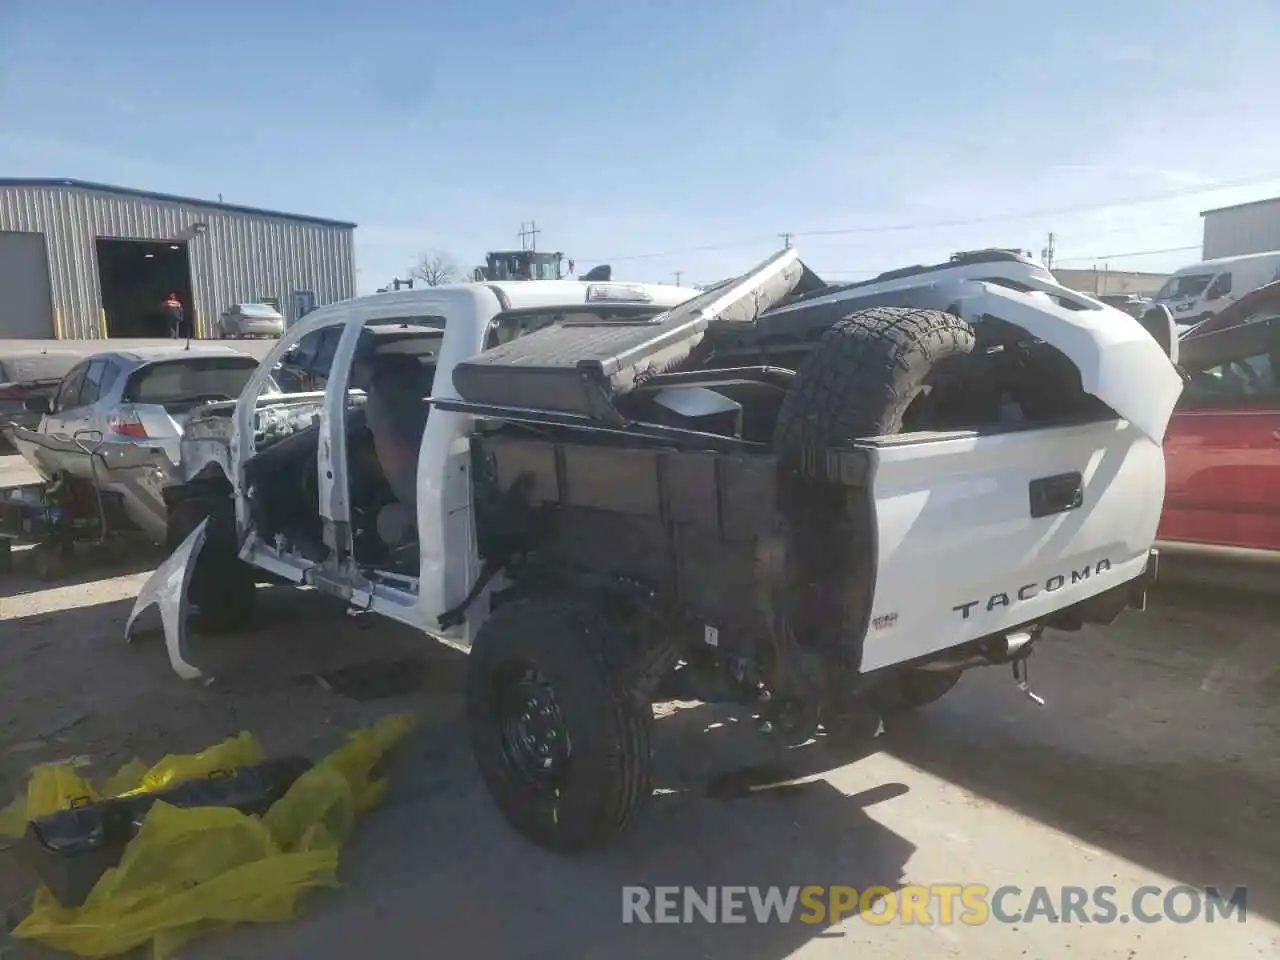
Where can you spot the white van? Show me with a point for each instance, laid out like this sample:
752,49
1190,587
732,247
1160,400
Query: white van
1201,290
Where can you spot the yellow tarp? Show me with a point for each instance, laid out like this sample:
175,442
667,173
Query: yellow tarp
193,870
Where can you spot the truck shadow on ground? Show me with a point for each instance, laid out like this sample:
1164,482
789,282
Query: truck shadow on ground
438,857
725,813
440,860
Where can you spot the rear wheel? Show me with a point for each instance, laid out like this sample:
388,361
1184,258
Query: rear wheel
562,745
913,689
222,585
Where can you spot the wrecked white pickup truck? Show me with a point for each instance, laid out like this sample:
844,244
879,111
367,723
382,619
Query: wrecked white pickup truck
826,501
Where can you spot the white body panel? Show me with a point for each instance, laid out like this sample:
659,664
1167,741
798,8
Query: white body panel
1120,363
1014,271
958,555
446,537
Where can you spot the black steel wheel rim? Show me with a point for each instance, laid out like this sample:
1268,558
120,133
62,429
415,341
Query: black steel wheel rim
534,735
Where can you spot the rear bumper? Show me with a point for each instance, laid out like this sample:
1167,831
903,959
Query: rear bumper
267,329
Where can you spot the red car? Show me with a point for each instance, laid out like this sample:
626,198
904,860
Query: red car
1222,448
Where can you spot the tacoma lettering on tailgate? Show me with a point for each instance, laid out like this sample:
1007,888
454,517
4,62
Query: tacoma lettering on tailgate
1029,591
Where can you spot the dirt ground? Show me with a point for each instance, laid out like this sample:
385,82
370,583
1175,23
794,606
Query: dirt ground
1155,761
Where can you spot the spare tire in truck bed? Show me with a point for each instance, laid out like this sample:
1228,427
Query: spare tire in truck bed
864,374
859,381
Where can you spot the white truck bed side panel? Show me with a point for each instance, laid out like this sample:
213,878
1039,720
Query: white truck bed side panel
960,556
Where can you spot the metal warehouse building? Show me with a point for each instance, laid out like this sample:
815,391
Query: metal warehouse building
86,261
1244,228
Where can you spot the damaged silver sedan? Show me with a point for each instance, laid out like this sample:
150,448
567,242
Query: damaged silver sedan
109,442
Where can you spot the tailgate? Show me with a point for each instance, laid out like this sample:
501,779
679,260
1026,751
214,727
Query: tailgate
977,534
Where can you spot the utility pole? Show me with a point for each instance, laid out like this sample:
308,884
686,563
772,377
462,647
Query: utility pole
1047,253
529,235
679,274
786,239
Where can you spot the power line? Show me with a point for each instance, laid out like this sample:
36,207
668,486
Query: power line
1057,260
1054,212
1129,255
943,224
529,235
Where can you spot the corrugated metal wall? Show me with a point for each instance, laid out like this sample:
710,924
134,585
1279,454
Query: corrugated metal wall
241,256
1252,228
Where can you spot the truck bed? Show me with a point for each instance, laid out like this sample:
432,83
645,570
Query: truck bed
932,541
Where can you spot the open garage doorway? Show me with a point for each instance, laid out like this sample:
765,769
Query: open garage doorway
136,277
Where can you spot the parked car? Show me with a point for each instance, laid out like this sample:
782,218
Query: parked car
1222,448
27,378
821,501
1260,304
250,320
1130,303
137,398
1199,291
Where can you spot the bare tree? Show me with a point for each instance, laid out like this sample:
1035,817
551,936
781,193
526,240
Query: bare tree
434,268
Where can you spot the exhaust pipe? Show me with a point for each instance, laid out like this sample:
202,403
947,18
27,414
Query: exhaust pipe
1010,647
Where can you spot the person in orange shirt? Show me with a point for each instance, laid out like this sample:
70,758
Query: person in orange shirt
172,308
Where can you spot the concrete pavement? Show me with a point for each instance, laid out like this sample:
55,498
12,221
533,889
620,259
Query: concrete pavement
1156,762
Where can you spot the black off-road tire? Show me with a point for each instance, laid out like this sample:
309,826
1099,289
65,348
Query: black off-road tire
223,586
581,652
864,374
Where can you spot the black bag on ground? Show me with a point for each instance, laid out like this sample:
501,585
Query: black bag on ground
71,849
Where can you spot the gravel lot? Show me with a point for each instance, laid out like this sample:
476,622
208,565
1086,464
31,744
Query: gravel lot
1155,761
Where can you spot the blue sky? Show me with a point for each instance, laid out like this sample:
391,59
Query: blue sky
663,127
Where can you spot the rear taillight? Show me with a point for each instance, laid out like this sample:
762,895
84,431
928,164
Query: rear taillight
128,425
